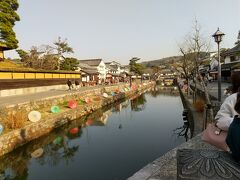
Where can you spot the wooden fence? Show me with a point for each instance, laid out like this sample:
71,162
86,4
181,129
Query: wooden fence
39,75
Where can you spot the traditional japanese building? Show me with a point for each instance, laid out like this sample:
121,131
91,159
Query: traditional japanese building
96,64
231,60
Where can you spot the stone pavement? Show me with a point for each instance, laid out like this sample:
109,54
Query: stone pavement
165,167
12,100
213,88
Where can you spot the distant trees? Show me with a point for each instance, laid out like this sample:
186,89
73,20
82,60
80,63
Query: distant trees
49,57
238,39
70,64
39,58
8,17
135,67
62,48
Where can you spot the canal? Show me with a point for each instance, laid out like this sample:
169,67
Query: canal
111,143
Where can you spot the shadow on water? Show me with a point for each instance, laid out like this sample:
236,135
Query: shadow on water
60,145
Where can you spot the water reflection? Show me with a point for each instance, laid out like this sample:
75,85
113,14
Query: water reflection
62,146
138,103
57,145
183,131
160,90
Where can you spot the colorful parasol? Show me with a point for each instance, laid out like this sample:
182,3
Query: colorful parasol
72,104
105,95
88,100
37,153
74,130
55,109
58,140
89,122
81,102
34,116
134,87
97,98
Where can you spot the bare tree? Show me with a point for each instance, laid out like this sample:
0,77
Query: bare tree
40,58
195,48
186,64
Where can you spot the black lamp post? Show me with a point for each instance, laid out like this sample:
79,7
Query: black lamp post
218,38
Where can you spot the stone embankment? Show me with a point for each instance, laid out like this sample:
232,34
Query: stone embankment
16,138
165,167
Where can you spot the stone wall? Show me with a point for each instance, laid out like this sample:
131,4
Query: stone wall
19,137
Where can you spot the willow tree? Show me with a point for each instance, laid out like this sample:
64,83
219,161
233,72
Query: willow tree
8,17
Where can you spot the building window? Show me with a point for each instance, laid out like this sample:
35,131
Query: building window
232,58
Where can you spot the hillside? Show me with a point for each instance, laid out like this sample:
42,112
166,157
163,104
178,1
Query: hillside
162,61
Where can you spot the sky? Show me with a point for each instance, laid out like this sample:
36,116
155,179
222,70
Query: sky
121,29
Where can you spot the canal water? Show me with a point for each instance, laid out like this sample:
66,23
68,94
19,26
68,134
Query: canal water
111,143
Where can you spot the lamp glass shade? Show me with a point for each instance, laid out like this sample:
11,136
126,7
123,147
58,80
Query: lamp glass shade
218,36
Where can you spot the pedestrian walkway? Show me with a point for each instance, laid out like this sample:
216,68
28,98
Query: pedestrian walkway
19,99
213,89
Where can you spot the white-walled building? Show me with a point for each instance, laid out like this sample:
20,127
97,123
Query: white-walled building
113,67
97,64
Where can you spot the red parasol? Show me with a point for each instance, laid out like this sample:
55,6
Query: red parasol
74,130
72,104
89,122
88,100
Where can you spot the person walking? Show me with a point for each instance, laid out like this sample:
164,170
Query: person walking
77,85
69,83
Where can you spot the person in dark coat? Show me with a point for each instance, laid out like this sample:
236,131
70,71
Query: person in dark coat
77,84
69,83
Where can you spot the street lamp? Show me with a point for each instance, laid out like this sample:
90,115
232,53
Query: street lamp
218,38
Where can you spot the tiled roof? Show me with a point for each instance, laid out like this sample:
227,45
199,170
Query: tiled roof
113,62
112,67
91,62
85,66
90,71
235,50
